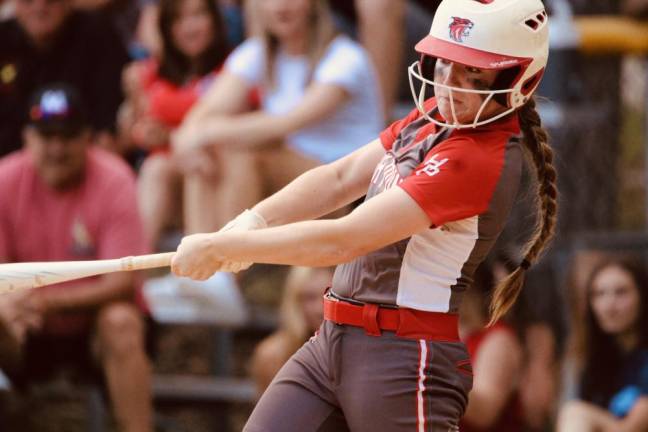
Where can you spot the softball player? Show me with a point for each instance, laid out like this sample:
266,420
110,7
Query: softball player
440,184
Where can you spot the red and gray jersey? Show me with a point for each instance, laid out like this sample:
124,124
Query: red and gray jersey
466,181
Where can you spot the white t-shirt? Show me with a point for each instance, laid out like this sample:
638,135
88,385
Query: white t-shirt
346,64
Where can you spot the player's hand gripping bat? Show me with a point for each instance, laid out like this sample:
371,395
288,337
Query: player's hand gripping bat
35,274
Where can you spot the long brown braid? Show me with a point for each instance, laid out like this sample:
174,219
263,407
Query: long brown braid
536,143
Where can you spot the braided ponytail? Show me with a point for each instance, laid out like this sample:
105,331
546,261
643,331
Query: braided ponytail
536,143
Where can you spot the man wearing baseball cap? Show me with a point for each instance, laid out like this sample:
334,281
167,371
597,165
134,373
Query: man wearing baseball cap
61,199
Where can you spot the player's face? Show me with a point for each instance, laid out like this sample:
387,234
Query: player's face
614,298
310,297
286,18
59,160
466,105
41,19
192,30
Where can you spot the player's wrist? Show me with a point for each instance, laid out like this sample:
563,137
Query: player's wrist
255,219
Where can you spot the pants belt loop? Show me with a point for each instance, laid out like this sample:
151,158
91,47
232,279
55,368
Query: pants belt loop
370,319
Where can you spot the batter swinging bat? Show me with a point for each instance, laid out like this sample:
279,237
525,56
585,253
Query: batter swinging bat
35,274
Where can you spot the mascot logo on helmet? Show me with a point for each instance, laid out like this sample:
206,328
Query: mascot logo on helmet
460,28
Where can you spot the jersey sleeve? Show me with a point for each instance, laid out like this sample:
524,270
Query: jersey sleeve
247,61
453,183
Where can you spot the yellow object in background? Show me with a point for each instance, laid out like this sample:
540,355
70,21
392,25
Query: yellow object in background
8,73
612,34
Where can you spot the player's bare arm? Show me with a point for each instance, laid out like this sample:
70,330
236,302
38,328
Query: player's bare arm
310,243
324,189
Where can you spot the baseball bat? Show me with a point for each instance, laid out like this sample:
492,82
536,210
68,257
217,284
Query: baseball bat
36,274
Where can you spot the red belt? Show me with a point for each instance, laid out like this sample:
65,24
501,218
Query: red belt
407,323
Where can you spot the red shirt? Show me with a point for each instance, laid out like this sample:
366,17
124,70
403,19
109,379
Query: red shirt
511,419
96,220
168,102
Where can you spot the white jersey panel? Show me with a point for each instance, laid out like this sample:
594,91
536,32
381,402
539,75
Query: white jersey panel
432,264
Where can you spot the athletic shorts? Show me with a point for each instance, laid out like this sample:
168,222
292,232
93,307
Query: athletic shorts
345,380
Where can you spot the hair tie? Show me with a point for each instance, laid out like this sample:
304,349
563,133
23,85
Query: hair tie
525,264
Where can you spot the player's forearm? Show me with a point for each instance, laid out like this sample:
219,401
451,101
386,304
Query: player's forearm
107,288
311,195
309,243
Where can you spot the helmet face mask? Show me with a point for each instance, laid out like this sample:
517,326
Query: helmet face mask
423,71
510,36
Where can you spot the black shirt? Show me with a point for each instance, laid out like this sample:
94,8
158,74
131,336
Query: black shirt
87,54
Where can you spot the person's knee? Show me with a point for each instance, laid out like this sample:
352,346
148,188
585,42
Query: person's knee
156,167
120,330
572,410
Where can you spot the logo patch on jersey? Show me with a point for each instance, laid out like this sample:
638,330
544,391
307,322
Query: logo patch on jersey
432,166
386,174
460,28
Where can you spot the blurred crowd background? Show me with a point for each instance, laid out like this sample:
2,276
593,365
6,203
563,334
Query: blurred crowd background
126,124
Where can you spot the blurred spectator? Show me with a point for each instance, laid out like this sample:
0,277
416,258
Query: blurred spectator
380,27
320,101
613,351
148,37
538,334
497,357
48,41
124,15
6,9
159,94
14,324
300,316
63,199
636,8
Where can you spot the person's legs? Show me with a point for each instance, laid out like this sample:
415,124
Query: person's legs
280,165
300,397
579,416
395,384
120,348
286,406
157,195
211,201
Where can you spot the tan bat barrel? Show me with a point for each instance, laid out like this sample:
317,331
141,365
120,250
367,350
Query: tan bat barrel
35,274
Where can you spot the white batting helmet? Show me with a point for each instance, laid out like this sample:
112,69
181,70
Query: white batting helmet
502,35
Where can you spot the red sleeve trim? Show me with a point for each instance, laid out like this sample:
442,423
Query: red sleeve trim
455,182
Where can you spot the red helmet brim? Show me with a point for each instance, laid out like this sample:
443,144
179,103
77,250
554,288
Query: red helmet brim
463,54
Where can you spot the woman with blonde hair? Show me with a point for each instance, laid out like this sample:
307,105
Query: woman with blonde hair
319,101
300,316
